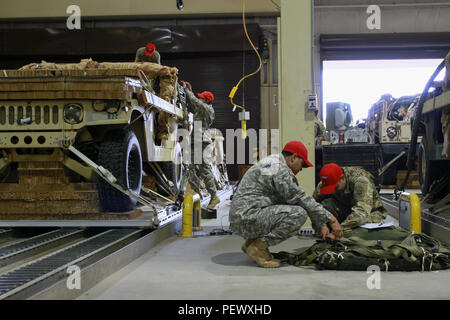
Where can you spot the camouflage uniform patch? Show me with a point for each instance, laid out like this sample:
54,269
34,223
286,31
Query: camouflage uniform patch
358,204
269,204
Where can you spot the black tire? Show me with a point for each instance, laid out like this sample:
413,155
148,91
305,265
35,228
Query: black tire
120,153
424,170
173,170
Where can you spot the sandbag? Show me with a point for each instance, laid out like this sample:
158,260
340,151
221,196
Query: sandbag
168,76
152,70
391,249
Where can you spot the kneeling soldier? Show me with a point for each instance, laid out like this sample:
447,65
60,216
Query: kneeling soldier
350,194
269,206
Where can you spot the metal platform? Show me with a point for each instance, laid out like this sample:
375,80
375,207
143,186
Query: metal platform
144,221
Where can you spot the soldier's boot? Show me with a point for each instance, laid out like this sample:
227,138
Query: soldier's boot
246,244
259,252
215,200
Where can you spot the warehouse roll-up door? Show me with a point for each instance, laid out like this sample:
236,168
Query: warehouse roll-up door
385,46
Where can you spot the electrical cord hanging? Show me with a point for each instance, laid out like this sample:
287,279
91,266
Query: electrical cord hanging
236,87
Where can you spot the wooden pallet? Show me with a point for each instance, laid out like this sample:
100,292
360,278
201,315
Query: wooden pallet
44,192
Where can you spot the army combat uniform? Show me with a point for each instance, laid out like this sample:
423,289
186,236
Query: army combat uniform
270,205
358,204
163,86
155,57
320,131
203,113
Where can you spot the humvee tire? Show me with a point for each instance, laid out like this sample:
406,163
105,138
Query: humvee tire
173,170
120,153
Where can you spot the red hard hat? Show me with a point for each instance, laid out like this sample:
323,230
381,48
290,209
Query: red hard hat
298,148
149,49
206,95
329,176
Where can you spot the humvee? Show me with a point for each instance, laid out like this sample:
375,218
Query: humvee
107,111
389,126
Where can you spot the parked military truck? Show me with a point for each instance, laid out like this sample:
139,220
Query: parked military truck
107,111
434,126
388,124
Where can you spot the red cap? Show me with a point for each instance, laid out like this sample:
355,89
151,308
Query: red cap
206,95
329,176
298,148
149,49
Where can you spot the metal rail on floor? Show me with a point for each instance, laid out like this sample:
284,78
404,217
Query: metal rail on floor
24,281
26,248
98,271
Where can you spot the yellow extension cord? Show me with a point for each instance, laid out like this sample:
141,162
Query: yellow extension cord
236,87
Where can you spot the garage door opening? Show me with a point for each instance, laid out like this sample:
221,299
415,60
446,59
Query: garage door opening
361,83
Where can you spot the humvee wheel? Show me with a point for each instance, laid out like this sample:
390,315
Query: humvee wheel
120,153
426,173
174,170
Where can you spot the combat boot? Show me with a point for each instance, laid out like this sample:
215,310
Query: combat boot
246,244
259,252
215,200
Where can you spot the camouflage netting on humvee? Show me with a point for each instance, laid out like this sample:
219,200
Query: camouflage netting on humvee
85,80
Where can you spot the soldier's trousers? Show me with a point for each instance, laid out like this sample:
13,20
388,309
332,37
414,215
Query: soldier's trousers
201,171
273,224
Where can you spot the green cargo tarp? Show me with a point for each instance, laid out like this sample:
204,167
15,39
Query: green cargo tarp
391,249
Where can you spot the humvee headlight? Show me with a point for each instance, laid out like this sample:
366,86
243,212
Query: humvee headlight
99,105
73,113
112,106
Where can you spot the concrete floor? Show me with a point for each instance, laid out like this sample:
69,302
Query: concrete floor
215,268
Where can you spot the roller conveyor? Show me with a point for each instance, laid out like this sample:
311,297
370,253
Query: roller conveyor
28,279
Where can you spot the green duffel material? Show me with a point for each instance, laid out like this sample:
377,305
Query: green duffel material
391,249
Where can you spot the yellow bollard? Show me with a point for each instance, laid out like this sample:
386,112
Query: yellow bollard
415,214
188,206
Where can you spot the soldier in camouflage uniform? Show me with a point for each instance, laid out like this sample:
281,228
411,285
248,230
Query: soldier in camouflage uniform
150,54
269,206
320,132
201,106
350,194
